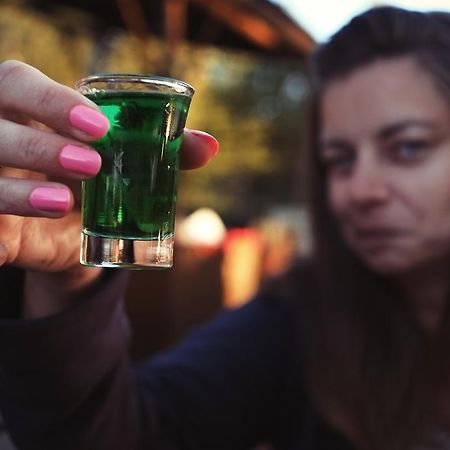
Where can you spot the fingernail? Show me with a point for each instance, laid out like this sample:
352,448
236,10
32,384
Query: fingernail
50,199
207,138
89,120
80,160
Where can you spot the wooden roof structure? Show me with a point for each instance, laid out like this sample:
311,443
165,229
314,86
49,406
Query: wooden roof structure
255,25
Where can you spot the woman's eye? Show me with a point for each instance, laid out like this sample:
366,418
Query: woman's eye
410,150
339,163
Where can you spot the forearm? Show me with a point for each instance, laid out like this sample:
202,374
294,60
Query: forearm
66,381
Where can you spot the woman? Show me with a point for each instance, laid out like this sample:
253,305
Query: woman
382,152
348,350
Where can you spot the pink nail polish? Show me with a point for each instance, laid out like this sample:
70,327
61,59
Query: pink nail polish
210,140
89,120
80,160
50,199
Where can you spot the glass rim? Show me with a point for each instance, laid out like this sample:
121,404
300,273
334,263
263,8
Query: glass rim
172,84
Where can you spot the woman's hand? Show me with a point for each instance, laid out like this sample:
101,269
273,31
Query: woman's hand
45,131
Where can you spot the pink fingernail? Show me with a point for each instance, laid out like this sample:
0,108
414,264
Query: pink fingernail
80,160
210,140
50,199
89,120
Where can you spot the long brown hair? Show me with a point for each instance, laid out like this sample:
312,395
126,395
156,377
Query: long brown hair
373,371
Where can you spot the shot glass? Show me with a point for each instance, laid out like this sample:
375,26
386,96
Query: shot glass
128,209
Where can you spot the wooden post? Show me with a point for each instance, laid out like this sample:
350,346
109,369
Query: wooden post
133,16
175,17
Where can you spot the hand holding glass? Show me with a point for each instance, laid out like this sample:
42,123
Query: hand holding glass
128,209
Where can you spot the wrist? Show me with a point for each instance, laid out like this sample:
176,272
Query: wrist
47,293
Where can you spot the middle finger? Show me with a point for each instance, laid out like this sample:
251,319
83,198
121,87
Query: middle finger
26,148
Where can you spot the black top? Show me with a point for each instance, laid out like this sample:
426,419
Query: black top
66,381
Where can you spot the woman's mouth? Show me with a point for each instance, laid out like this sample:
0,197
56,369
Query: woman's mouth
376,236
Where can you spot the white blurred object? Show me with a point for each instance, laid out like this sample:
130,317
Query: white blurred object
202,228
322,18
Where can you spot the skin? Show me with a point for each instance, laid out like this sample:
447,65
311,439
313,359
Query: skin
385,141
35,126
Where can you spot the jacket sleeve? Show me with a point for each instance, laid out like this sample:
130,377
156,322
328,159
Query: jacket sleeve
223,386
67,383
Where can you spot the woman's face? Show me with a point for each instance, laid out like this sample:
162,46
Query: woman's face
385,142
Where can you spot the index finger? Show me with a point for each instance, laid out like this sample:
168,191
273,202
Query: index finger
25,89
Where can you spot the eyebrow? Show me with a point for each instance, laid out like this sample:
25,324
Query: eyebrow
336,143
389,130
386,132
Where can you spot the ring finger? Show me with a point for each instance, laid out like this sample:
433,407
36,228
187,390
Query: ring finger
24,197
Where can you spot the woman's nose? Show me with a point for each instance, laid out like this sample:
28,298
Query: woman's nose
368,184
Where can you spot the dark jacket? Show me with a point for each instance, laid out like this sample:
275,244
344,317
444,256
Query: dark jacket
67,383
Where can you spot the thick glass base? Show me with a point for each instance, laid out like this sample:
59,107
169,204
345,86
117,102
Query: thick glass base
102,251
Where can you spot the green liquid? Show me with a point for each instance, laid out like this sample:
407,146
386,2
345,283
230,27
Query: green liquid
134,194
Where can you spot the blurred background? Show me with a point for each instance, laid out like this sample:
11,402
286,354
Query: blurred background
243,218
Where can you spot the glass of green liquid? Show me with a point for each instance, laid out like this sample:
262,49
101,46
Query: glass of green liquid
128,209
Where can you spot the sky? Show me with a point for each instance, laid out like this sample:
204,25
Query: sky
321,18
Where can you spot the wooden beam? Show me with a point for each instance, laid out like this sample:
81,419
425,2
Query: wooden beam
133,16
293,35
175,17
254,28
